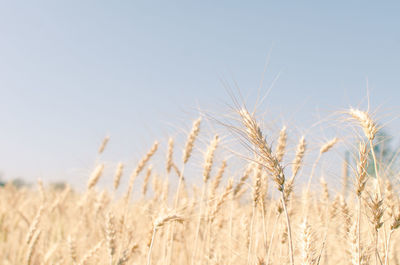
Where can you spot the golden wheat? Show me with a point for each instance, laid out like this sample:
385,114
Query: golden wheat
232,216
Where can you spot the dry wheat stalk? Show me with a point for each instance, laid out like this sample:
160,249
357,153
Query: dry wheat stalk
158,223
361,174
308,250
72,249
146,180
365,121
209,158
110,236
328,145
170,154
269,161
257,184
217,180
375,205
94,178
325,191
191,139
118,174
280,148
103,144
262,149
300,151
142,163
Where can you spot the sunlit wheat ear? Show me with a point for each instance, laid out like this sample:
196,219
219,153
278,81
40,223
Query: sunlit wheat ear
270,162
353,251
146,180
328,145
110,236
376,209
103,144
298,160
308,250
158,223
257,184
335,205
289,186
209,158
325,191
361,174
118,174
366,122
157,186
191,139
217,180
395,224
142,163
281,147
94,178
346,214
170,154
164,219
262,149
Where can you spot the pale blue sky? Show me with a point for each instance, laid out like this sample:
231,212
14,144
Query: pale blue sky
73,71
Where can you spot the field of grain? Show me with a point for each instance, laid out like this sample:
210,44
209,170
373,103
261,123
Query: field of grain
255,216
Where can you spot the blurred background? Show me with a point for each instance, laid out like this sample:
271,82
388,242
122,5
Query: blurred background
72,72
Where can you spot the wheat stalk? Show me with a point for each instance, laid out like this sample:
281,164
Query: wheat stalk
103,144
94,178
142,163
118,174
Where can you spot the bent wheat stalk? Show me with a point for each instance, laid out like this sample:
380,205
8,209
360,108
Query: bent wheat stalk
269,161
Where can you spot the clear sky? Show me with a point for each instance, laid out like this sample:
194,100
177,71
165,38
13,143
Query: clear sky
73,71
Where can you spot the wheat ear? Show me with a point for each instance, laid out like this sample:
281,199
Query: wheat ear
269,161
281,147
118,174
94,178
103,144
142,163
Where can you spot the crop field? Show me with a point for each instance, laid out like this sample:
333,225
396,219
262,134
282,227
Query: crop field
248,215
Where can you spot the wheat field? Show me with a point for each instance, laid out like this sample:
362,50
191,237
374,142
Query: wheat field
256,216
